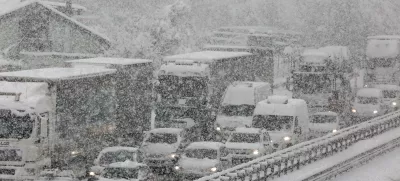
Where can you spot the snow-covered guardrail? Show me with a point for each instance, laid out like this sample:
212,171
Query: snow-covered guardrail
293,158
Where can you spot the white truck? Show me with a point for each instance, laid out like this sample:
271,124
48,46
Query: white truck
322,79
245,144
286,120
239,102
47,118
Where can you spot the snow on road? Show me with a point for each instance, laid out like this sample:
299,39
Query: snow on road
382,168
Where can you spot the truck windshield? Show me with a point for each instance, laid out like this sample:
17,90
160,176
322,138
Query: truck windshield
273,122
117,156
165,116
323,119
245,138
381,62
309,83
12,126
238,110
367,100
121,173
171,86
168,138
201,153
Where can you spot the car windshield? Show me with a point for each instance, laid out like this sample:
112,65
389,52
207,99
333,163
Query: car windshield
117,156
171,86
273,122
390,93
121,173
381,62
238,110
245,138
13,126
323,119
201,153
367,100
168,138
311,83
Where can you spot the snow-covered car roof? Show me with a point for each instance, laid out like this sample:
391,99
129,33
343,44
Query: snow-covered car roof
314,52
166,130
197,70
248,130
205,145
119,148
387,87
57,73
111,61
382,48
126,164
328,113
206,56
234,47
290,109
370,92
240,93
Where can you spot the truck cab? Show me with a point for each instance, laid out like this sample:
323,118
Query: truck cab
163,145
24,109
202,158
369,103
245,144
286,120
115,154
239,102
323,123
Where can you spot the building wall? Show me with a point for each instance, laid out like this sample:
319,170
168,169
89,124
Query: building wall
9,32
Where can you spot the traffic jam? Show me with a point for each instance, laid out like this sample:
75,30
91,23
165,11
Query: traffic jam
210,110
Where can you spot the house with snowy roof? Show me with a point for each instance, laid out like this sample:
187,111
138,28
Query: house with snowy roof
43,33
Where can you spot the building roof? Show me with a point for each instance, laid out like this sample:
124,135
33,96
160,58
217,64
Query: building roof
54,74
206,56
289,109
111,61
202,70
11,8
205,145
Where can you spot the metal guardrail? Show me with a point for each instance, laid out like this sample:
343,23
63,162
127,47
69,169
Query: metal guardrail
293,158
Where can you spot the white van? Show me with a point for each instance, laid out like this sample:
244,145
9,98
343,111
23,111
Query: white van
286,120
369,102
238,103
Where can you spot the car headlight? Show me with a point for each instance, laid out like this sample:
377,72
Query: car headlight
74,152
255,152
177,167
375,111
353,110
218,128
92,173
213,169
394,103
334,131
173,155
286,138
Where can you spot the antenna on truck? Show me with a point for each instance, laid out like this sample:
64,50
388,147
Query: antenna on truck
17,95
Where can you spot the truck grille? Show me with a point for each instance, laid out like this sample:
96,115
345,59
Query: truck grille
7,171
10,155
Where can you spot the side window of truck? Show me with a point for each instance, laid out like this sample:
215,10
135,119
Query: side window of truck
296,122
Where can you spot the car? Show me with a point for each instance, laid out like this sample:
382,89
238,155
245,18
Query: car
369,103
56,175
202,158
323,123
127,170
115,154
245,144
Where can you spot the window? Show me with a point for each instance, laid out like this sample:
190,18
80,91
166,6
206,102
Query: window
201,153
390,93
245,138
224,152
238,110
367,100
273,122
266,137
163,138
323,119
